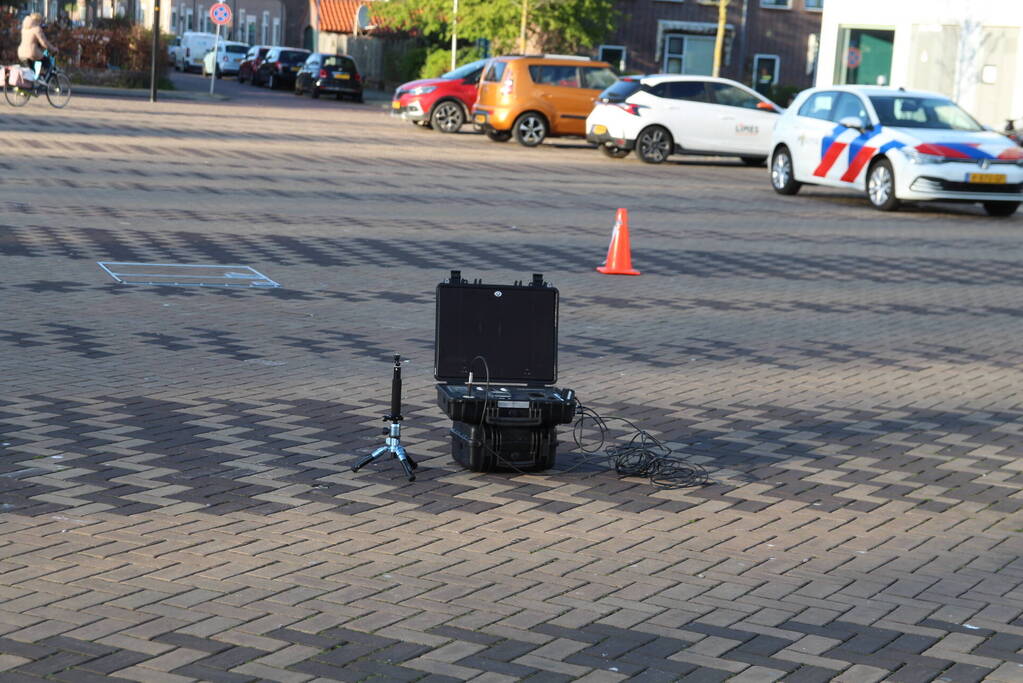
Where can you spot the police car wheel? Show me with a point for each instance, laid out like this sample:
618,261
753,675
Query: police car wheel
1001,209
613,151
782,179
654,144
881,186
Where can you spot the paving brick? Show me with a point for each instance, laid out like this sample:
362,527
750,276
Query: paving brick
176,461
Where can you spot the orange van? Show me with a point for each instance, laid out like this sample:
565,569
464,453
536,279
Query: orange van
533,97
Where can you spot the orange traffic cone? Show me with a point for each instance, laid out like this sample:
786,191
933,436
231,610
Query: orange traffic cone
619,255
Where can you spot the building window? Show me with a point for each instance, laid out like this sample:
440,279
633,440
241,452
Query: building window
864,56
277,31
776,4
613,55
688,54
264,33
765,73
814,5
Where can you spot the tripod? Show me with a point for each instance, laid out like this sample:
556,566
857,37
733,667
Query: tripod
393,434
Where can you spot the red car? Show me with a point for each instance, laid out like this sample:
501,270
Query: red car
251,63
441,103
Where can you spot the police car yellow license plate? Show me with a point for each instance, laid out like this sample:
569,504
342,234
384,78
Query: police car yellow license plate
988,178
395,104
342,76
599,130
480,118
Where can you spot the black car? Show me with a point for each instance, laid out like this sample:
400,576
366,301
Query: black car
279,67
326,73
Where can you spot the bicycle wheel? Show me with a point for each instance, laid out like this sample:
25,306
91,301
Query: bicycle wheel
58,90
16,97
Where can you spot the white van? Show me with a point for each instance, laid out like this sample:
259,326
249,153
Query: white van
193,47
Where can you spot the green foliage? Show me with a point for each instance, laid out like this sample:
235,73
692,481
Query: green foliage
552,25
438,61
403,66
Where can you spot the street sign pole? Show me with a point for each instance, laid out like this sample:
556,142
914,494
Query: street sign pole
216,55
221,15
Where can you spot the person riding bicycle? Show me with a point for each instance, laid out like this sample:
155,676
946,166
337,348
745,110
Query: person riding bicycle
33,42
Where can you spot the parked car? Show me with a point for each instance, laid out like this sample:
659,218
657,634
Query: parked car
893,145
250,63
191,49
442,103
279,67
533,97
327,73
666,114
227,61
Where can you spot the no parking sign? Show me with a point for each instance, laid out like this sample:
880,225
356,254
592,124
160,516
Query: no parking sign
220,14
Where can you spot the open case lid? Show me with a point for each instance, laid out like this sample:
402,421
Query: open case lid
513,327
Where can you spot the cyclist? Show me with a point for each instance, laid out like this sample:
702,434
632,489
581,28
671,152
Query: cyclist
33,42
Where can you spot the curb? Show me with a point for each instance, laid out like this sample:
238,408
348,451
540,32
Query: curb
143,93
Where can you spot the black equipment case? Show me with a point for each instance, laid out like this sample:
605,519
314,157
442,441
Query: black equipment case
496,352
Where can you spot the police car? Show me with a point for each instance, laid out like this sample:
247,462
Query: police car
894,145
668,114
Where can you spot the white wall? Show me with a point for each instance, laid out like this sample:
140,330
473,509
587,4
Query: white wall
971,16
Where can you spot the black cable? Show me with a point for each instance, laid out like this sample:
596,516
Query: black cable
642,456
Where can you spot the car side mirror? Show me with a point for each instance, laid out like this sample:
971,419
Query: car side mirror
854,122
766,106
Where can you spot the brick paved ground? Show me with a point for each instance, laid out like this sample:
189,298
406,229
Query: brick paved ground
176,497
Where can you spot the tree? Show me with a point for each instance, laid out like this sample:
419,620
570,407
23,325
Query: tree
562,25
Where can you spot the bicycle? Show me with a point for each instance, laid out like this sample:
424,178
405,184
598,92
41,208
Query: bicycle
55,84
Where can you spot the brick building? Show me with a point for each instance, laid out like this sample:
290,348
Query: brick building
768,42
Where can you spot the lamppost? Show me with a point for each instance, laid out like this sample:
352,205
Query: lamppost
454,35
156,50
522,27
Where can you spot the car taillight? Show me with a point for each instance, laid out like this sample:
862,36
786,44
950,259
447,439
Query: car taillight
277,65
357,78
506,87
323,73
629,108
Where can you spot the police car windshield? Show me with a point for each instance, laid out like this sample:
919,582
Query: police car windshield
922,112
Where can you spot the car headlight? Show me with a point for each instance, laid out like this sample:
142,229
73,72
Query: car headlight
422,89
918,157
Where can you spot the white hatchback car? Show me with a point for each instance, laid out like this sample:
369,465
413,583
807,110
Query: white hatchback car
894,145
227,60
671,114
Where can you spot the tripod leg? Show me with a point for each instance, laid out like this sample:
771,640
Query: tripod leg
406,463
370,458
